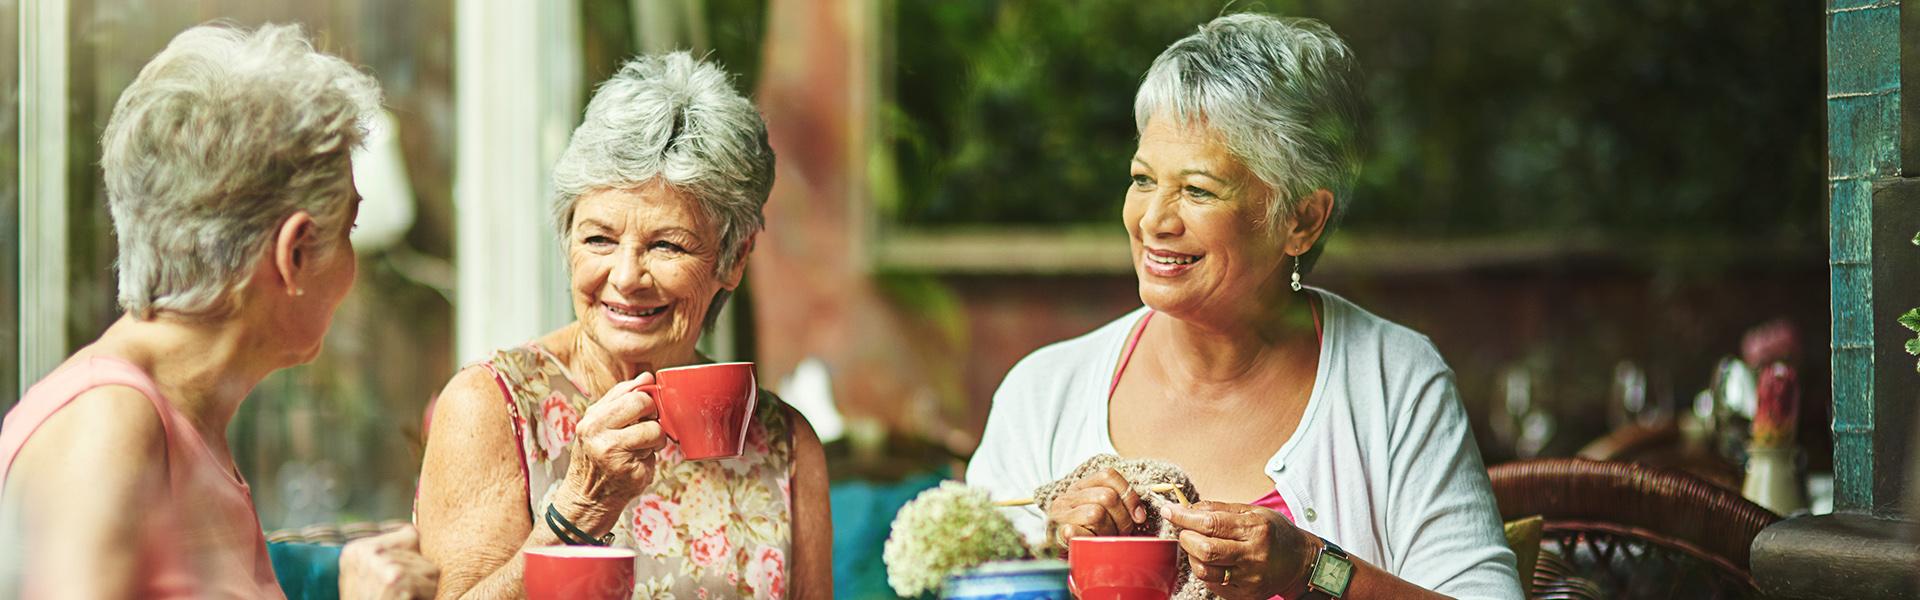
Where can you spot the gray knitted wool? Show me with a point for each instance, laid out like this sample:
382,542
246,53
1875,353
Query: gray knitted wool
1141,473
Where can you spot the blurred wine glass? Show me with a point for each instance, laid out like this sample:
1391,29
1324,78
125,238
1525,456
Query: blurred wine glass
1520,423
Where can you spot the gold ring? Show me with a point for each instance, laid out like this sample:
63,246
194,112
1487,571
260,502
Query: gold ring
1226,575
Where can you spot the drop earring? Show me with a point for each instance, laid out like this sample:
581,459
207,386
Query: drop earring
1296,275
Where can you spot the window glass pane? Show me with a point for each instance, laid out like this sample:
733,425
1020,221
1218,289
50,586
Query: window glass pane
338,439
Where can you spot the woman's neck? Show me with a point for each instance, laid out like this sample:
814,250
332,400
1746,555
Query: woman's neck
599,369
205,369
1235,348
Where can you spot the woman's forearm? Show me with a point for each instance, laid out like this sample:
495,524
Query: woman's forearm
1370,582
504,581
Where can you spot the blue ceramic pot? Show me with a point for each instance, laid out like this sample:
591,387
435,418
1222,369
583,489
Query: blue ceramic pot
1011,580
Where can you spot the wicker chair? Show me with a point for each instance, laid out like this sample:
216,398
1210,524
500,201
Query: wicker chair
334,534
1632,531
1663,445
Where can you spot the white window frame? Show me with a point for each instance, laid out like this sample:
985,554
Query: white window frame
516,100
43,189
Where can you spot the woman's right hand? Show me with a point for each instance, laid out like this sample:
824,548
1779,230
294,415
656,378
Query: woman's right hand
1100,504
613,453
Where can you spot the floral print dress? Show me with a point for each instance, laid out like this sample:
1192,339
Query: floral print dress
706,529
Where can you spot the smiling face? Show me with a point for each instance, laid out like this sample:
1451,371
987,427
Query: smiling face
1195,218
642,263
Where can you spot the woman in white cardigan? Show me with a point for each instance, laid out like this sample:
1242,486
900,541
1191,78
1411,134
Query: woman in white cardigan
1332,443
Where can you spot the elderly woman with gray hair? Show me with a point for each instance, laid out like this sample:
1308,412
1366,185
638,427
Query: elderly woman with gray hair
229,178
659,199
1332,442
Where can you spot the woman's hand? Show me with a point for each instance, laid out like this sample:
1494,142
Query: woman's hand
1244,551
387,567
613,456
1101,504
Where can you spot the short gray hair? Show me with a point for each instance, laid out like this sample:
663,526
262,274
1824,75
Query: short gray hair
222,136
676,119
1281,93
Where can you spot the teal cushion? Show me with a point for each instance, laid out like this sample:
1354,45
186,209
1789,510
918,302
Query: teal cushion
306,571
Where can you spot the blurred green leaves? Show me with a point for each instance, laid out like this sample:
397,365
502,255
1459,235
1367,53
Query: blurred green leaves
1629,117
1006,112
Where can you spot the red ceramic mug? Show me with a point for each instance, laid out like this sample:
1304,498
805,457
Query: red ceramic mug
705,408
1122,568
579,572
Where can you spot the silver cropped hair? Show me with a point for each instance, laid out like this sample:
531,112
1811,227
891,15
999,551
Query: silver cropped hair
673,118
222,136
1280,93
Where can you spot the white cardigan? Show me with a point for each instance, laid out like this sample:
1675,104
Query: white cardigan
1383,462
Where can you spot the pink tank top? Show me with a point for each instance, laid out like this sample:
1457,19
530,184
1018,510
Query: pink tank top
203,540
1272,501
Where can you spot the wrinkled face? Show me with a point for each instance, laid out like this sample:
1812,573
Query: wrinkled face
1196,219
643,266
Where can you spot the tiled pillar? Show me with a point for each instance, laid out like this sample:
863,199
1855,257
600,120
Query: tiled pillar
1863,147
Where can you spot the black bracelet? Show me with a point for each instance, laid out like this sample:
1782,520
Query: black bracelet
571,535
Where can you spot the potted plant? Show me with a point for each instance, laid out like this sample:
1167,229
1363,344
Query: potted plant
952,541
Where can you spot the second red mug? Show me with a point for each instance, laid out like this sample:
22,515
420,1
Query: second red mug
579,573
705,408
1122,568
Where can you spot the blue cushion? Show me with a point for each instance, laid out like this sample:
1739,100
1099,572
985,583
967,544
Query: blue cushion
306,571
862,517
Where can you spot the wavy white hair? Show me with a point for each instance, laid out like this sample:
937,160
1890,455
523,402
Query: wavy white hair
677,119
1282,95
222,136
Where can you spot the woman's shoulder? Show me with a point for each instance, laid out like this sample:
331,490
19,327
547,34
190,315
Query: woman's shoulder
95,397
1362,335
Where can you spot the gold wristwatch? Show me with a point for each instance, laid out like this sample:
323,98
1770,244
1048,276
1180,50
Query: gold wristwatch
1332,572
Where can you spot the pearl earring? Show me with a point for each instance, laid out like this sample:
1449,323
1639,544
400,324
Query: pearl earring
1296,285
1296,275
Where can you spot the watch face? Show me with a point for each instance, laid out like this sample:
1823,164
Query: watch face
1331,574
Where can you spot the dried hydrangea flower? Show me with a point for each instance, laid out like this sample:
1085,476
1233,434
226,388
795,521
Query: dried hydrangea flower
944,531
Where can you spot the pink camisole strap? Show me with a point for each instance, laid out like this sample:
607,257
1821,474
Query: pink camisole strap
1126,356
1271,501
1133,342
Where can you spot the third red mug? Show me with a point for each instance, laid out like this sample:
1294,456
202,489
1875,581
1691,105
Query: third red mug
706,408
1122,568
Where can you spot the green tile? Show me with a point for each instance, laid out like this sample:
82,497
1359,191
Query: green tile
1863,136
1863,50
1850,229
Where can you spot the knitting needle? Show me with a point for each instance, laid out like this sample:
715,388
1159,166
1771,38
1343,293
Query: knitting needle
1158,488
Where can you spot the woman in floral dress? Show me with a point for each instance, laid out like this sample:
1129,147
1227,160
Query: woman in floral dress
659,198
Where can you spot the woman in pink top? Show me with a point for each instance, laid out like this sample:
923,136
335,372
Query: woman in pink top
230,183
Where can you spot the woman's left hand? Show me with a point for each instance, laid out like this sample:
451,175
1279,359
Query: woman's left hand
1244,551
387,567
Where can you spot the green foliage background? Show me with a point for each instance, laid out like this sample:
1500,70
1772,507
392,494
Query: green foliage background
1626,117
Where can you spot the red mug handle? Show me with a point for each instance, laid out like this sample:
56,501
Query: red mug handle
660,414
